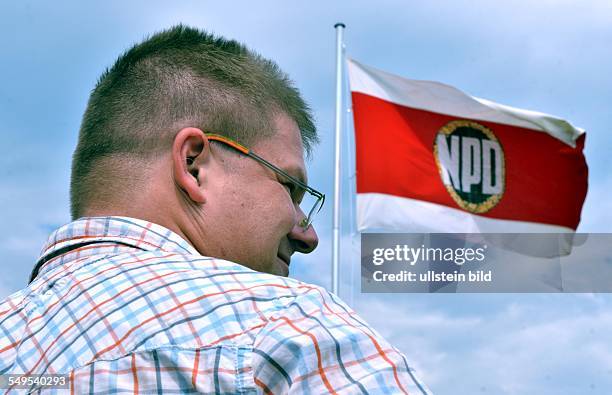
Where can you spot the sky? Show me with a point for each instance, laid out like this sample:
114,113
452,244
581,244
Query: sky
551,56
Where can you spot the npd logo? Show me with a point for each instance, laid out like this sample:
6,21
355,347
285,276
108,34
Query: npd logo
471,164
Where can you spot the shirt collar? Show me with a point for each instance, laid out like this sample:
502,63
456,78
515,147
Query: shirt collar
127,231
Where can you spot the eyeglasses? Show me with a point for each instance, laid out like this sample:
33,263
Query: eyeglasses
313,201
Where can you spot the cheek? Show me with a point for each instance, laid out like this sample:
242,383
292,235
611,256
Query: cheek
261,209
284,211
260,213
275,217
275,204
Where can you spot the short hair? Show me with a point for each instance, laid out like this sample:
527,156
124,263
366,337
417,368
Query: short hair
176,78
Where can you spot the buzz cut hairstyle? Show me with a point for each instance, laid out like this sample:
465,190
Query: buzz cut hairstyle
180,77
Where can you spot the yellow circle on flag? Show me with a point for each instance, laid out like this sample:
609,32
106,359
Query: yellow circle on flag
471,163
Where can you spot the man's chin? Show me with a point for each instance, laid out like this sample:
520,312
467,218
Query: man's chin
281,267
278,267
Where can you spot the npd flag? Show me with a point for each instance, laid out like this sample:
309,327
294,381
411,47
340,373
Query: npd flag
431,158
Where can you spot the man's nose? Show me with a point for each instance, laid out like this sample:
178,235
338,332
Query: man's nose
303,240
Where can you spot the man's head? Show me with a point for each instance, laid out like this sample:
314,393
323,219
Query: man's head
143,149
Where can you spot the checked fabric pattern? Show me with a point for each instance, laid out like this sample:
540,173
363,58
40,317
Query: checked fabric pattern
122,305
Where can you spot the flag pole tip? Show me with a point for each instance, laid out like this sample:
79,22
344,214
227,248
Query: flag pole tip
339,24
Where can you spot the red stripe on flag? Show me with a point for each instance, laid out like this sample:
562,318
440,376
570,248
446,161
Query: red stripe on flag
546,180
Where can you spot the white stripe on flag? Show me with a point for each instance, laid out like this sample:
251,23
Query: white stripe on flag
445,99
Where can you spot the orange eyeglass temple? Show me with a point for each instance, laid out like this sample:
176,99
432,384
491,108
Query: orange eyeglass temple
238,146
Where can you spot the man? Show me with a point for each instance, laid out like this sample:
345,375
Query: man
189,196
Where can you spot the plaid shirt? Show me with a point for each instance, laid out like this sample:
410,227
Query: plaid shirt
122,305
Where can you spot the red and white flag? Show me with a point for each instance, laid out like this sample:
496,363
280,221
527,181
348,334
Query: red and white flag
431,158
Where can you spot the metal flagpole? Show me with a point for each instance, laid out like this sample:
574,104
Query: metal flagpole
339,115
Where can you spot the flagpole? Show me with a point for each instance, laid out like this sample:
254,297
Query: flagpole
339,115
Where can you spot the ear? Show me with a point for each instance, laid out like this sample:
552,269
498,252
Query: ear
190,152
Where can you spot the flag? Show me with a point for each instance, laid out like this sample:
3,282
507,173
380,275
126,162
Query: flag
430,158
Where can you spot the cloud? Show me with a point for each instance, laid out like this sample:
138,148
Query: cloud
530,345
597,210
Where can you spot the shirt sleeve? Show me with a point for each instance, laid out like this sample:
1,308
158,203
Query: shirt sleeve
317,344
